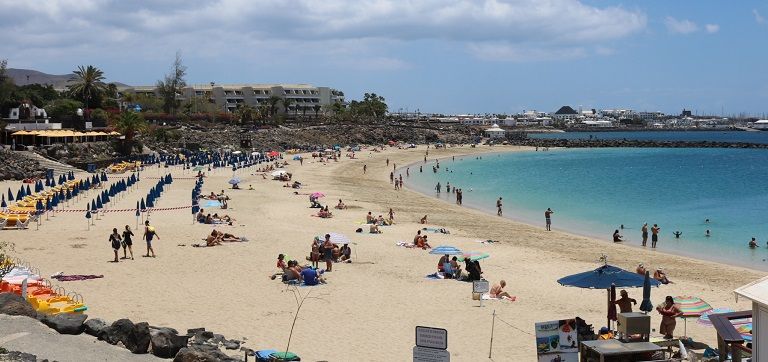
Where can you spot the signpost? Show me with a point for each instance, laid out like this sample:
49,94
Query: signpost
480,287
431,345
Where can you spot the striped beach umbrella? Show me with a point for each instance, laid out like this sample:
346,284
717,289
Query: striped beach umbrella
475,255
337,238
691,307
445,250
704,319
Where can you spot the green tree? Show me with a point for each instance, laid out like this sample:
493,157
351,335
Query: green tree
64,108
88,82
129,123
372,105
246,114
287,102
172,84
317,109
272,101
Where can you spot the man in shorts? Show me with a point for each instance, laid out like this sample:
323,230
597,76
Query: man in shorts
149,234
654,235
498,206
548,218
645,233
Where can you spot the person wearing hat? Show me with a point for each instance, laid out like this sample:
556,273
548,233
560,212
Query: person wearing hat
625,302
640,269
669,311
660,276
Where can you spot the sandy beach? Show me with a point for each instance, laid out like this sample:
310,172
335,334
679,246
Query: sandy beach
369,308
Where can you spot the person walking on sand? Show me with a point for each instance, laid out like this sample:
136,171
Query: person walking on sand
654,235
498,207
127,241
548,218
391,216
391,177
365,168
645,233
387,162
114,239
149,234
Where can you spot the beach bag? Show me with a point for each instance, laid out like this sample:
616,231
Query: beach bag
359,230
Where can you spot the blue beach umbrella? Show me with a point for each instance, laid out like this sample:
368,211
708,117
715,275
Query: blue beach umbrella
104,176
10,194
19,195
603,278
99,205
49,205
143,206
93,205
88,214
445,250
3,204
68,195
47,181
29,191
150,202
71,176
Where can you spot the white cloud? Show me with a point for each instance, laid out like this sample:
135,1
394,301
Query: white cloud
137,29
758,17
494,51
680,26
712,28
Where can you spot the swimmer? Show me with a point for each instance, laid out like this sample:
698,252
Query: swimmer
753,243
677,234
707,233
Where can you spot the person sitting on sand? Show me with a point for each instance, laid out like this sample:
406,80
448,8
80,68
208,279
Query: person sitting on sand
250,188
456,267
281,266
346,253
200,217
381,221
290,272
209,219
341,205
374,229
324,213
640,269
617,237
497,291
369,219
422,243
625,302
661,276
212,196
443,259
753,243
213,239
310,277
423,220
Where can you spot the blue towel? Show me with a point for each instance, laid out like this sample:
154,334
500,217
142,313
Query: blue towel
263,355
212,203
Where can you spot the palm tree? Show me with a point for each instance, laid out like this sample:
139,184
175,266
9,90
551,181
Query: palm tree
273,101
245,113
129,123
317,109
88,82
287,104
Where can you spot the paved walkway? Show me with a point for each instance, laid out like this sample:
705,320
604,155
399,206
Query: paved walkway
28,335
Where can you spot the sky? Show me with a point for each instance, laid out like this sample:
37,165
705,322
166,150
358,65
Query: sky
441,56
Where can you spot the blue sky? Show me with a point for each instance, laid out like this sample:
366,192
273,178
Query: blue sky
448,56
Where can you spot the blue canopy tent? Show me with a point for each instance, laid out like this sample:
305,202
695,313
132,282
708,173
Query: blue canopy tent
604,277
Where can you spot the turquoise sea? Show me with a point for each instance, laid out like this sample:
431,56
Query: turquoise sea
594,191
712,136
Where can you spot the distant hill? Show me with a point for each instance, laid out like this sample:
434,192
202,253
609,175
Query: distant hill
28,76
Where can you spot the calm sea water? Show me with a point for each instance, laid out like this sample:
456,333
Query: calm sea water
594,191
718,136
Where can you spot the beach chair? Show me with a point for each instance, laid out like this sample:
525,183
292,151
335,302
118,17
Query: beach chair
22,223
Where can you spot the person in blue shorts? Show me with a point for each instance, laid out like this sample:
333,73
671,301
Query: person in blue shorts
310,277
149,234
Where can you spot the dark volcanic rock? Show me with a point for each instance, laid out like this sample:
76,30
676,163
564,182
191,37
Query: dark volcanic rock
13,304
195,354
67,323
135,337
166,342
94,326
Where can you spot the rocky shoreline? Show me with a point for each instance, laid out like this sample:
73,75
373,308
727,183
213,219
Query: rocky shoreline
17,166
196,345
564,143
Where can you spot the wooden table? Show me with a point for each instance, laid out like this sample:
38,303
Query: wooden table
614,350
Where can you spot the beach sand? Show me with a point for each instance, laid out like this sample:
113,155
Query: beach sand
369,308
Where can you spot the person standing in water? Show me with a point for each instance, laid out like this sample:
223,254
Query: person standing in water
753,243
654,235
548,218
645,233
437,187
498,207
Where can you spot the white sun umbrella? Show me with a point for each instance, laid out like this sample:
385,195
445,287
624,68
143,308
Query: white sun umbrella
255,153
339,239
279,173
237,152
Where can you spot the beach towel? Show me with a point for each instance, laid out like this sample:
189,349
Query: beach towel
213,203
489,241
437,230
487,296
75,277
435,276
405,244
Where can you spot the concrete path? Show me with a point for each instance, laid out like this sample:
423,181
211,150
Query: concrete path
30,336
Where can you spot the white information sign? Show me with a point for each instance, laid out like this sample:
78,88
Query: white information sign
423,354
480,286
429,337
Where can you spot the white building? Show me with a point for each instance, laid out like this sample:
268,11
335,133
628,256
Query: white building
26,111
495,132
757,292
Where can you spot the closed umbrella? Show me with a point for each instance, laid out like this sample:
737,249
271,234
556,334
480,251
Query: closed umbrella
10,194
19,195
612,316
646,305
29,191
445,250
3,204
143,206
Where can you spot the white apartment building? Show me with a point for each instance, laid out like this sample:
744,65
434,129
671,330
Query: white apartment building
304,98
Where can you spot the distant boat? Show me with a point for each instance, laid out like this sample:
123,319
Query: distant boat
761,125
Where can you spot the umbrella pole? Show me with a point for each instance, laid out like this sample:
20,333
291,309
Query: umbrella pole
493,324
608,304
